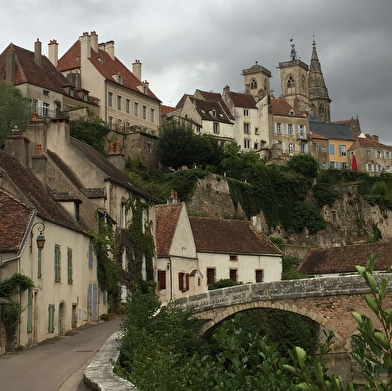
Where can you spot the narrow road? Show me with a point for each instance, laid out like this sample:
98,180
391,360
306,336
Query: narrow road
56,364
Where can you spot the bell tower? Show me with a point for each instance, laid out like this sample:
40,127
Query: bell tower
318,92
257,81
294,81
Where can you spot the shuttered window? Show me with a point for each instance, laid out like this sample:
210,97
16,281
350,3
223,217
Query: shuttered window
69,266
30,311
183,282
51,319
57,264
90,256
161,279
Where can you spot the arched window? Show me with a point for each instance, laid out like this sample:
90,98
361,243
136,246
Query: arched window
303,84
265,85
321,109
290,82
253,84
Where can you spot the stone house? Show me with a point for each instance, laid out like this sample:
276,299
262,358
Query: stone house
289,133
339,138
87,184
367,154
194,252
337,261
66,291
40,82
126,102
251,120
319,147
210,117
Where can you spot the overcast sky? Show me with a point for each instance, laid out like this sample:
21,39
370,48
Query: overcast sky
204,44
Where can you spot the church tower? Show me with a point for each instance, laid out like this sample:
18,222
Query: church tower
257,81
318,92
294,81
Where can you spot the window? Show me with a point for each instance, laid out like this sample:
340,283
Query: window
368,152
246,113
377,154
332,149
57,264
144,112
259,275
136,109
161,279
198,129
69,266
303,148
216,128
45,109
343,165
246,128
46,92
119,99
233,257
152,115
110,121
110,99
279,128
183,282
256,146
256,130
291,149
210,276
290,82
127,103
246,143
301,132
51,319
290,129
253,84
90,256
342,150
233,275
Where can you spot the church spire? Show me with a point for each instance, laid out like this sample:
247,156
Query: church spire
318,92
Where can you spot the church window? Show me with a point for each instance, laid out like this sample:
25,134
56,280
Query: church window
321,109
290,82
253,84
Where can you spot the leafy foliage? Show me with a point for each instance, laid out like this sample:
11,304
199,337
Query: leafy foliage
223,283
306,215
91,132
305,165
14,110
16,280
108,269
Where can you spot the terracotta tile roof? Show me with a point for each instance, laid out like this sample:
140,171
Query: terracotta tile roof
15,217
281,107
113,173
344,259
29,71
166,220
105,65
316,136
33,193
167,109
368,142
229,237
242,100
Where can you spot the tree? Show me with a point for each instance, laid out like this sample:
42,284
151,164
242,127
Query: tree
91,132
176,144
305,165
14,110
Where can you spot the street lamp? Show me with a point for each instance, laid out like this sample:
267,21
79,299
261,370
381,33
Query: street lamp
40,238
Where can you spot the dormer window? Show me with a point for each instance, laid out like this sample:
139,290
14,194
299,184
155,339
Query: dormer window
46,92
291,113
213,113
119,78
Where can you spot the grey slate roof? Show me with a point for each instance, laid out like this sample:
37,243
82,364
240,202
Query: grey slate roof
331,130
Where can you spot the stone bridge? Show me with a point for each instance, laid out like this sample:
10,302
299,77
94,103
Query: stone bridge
328,301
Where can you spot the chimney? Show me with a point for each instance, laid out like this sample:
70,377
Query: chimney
115,156
10,66
38,51
94,41
109,46
374,137
85,46
39,164
53,50
137,69
173,199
